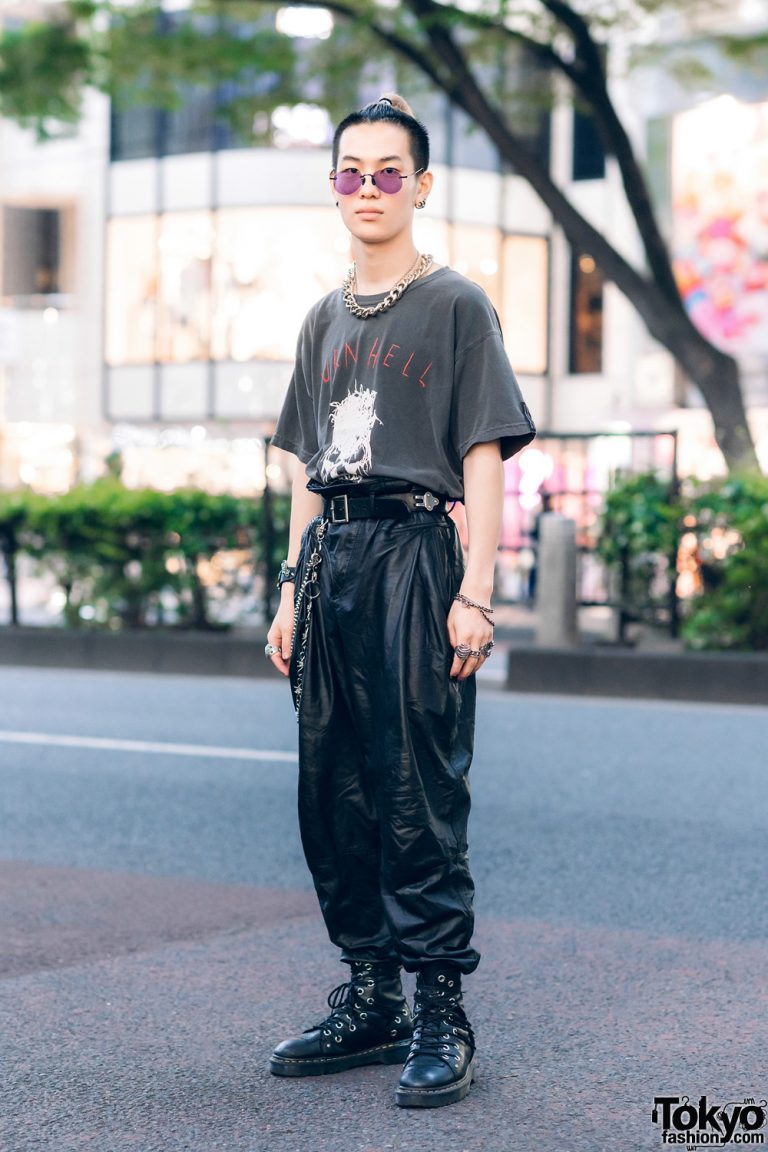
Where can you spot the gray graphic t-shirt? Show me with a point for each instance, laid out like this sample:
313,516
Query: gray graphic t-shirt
404,394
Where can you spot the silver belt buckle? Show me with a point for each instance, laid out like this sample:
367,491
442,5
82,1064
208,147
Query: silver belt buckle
344,517
425,500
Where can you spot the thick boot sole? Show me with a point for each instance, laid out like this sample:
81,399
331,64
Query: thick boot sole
437,1097
326,1065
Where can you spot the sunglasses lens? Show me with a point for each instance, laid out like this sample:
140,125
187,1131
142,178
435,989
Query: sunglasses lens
347,182
389,182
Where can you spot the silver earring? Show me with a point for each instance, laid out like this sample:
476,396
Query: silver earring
421,203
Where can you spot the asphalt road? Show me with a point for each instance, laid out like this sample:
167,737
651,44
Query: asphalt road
158,934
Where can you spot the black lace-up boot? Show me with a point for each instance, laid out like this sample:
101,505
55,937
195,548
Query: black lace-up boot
440,1065
370,1023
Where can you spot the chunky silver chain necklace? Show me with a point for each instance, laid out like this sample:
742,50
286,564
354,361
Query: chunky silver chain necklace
349,287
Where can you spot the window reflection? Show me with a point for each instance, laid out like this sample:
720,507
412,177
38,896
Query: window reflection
525,312
184,307
476,254
235,285
132,281
271,266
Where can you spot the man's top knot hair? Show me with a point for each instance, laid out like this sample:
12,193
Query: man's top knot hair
391,100
392,108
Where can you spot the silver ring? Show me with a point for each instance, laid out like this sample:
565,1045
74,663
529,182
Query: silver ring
271,650
463,651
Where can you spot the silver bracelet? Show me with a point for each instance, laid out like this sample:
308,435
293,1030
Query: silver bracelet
485,611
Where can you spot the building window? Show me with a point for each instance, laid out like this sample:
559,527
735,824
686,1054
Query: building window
525,314
476,254
259,300
132,287
32,253
586,352
588,154
134,132
191,286
185,246
190,127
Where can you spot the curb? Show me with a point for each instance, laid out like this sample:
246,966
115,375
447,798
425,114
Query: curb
181,653
590,670
706,677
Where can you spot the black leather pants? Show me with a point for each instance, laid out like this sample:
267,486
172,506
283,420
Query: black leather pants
385,742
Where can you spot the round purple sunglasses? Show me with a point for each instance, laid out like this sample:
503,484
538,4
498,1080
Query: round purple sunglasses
387,180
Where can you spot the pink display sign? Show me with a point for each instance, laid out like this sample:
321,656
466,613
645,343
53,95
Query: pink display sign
720,202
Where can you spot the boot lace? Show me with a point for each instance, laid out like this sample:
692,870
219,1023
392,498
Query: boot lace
348,1002
439,1028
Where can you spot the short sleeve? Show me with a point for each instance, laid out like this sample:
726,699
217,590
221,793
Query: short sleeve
487,402
296,429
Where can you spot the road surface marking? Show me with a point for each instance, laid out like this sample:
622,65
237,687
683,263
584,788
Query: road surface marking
146,746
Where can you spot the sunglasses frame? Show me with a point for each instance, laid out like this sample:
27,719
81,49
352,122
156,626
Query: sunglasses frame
372,176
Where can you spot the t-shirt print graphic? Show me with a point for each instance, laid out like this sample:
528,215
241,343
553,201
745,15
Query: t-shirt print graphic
353,419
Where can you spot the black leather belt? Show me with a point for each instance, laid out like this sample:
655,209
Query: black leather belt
395,506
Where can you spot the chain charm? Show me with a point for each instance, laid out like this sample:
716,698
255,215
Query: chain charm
308,591
349,285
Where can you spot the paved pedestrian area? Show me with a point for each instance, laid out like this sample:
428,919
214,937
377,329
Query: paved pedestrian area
159,936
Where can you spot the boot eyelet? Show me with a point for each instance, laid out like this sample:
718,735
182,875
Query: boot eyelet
359,991
450,983
441,979
326,1031
337,1039
393,1032
353,1028
363,1015
369,1000
397,1019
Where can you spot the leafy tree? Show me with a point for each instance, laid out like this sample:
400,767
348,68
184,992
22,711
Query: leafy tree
472,55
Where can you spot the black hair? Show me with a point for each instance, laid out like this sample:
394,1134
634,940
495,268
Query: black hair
395,110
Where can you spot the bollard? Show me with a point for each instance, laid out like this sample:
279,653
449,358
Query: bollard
556,582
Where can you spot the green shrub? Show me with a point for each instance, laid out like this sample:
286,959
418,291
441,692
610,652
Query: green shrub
730,520
128,557
638,540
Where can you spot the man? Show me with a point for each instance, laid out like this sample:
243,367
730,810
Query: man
401,402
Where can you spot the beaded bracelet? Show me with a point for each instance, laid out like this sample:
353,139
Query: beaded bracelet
485,611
